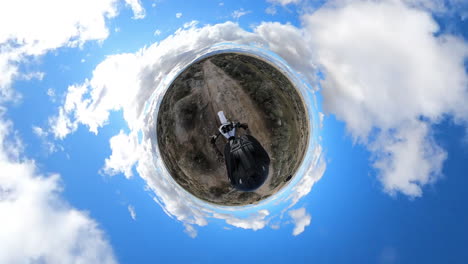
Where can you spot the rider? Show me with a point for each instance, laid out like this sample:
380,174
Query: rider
247,162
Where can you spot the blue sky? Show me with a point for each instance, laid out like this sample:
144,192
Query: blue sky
383,182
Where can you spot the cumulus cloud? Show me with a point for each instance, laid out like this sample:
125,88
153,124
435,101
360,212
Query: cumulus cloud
75,23
94,111
124,155
301,219
80,21
178,15
389,78
37,225
407,159
291,44
138,11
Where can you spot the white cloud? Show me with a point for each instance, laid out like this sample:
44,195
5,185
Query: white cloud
38,131
94,111
43,135
132,211
388,77
433,5
178,15
271,10
255,221
51,92
301,219
37,225
157,32
61,126
445,7
32,75
315,170
191,231
46,29
284,2
275,226
138,11
124,155
80,21
35,28
409,159
291,44
190,24
236,14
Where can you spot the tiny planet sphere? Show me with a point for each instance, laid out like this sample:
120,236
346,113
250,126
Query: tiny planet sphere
248,90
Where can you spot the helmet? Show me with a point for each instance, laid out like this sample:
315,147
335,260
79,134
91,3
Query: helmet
247,163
